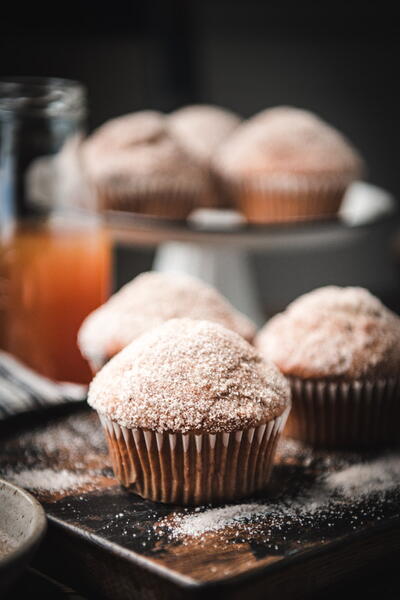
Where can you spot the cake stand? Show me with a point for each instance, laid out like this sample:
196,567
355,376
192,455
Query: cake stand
214,245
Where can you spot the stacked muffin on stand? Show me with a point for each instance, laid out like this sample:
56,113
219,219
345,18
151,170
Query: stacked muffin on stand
201,130
151,164
134,164
281,165
287,165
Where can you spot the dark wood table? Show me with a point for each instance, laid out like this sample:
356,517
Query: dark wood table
105,542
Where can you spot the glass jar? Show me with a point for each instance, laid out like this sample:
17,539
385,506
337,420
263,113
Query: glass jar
54,252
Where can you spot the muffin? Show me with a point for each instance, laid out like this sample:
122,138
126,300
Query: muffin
134,164
201,129
340,350
286,164
147,301
191,412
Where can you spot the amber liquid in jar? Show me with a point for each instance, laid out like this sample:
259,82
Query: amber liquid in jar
54,251
51,277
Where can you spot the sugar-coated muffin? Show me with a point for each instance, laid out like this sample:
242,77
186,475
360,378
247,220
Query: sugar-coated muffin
340,349
287,164
201,129
191,412
135,164
147,301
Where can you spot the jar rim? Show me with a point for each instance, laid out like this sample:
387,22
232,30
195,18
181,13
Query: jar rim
53,96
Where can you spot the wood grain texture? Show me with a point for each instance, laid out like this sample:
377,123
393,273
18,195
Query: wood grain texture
110,543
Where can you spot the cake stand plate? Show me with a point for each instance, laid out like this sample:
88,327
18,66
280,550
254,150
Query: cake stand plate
214,245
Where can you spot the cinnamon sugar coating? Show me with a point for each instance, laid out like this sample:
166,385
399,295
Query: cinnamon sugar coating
136,151
286,140
149,300
189,376
334,332
201,128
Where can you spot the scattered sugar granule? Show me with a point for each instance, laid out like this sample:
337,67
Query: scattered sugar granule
379,475
330,495
216,519
81,437
245,516
47,479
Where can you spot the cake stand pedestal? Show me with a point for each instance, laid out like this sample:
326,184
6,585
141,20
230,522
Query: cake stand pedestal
227,269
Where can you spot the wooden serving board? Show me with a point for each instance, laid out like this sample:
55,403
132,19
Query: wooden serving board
302,534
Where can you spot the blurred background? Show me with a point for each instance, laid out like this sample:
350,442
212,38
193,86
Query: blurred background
339,60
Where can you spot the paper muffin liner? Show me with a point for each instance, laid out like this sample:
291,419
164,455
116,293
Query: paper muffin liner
193,468
170,202
283,199
345,415
220,195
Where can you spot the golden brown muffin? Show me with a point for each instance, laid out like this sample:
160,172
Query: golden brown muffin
286,164
191,412
201,129
148,301
135,164
340,349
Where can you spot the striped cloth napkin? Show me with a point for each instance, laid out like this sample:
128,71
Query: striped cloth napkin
23,390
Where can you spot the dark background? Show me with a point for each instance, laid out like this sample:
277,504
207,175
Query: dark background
340,60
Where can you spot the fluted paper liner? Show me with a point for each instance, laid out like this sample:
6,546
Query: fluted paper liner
193,468
354,415
282,199
173,202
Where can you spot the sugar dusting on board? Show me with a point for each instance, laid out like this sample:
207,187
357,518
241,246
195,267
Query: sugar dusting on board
350,496
48,480
68,440
61,458
365,478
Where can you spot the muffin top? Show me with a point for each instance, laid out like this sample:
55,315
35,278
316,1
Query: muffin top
334,332
149,300
189,376
200,129
137,150
287,140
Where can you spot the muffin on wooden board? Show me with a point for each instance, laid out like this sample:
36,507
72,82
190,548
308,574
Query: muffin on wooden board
192,413
135,164
201,129
147,301
340,349
286,164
